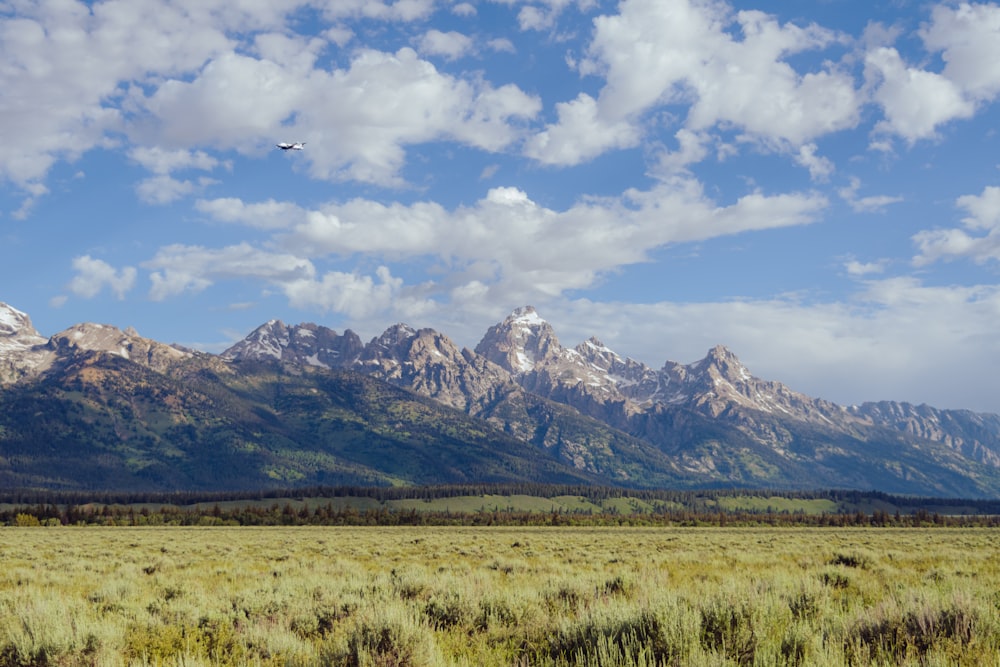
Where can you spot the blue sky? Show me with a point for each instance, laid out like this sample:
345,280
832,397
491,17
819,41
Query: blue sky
814,185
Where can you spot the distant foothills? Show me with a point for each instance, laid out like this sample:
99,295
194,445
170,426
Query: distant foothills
95,409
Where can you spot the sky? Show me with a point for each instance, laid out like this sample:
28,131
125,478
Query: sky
814,185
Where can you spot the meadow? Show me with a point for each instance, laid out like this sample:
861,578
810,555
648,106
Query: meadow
499,596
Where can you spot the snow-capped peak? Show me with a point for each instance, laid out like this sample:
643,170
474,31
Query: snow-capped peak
14,322
521,342
396,334
526,316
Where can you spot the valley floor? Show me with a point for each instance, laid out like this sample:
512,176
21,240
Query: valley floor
498,596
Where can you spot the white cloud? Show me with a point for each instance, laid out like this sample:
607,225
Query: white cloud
509,240
269,214
164,189
178,268
505,243
978,241
234,101
915,101
351,294
358,121
819,167
501,45
164,161
72,58
869,204
451,45
692,148
858,269
94,275
400,10
968,37
656,54
580,134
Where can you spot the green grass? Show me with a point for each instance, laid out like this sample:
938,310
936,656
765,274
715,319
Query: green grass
500,596
781,504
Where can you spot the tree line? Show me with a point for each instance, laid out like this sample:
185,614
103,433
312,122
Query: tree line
696,498
317,513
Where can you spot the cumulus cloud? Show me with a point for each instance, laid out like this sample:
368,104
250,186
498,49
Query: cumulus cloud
968,37
164,161
94,275
177,269
501,45
450,45
510,243
915,101
73,58
978,239
580,134
654,54
400,10
354,295
269,214
858,269
164,189
819,167
188,79
361,119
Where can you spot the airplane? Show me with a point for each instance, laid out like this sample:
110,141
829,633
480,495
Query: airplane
297,146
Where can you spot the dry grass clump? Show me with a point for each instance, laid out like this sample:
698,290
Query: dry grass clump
495,597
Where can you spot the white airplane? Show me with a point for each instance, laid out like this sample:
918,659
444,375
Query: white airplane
297,146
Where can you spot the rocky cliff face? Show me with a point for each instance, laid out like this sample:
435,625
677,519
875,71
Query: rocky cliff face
431,364
307,344
19,343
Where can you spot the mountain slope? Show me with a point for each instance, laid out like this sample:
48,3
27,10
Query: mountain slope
114,424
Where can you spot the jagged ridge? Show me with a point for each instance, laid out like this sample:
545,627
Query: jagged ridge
711,422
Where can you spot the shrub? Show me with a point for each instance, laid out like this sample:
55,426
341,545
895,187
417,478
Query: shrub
447,611
852,560
889,633
631,638
495,611
729,626
391,638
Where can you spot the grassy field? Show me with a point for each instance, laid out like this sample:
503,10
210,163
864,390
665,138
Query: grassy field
498,596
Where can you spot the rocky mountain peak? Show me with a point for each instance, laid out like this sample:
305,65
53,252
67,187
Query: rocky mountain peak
593,351
21,346
720,362
430,363
267,340
90,337
15,323
395,335
305,343
521,342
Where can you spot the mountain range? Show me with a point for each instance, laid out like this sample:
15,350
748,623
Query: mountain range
96,407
